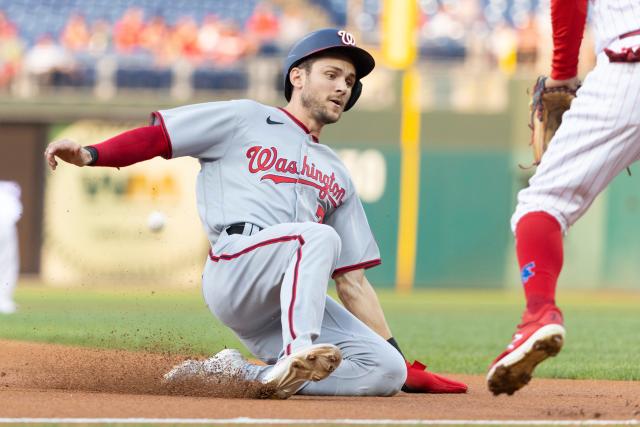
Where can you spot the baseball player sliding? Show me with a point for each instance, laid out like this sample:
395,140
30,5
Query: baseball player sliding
282,216
599,137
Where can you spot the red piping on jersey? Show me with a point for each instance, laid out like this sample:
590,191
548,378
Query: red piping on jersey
156,114
364,265
299,123
227,257
299,238
294,289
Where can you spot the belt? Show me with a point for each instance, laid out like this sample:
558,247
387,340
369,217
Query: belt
245,228
627,54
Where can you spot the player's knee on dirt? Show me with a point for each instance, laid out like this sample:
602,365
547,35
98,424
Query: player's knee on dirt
394,372
389,375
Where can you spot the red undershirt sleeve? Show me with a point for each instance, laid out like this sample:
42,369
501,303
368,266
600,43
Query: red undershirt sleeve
133,146
568,18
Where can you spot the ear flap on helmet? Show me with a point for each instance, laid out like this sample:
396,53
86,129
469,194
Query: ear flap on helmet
355,94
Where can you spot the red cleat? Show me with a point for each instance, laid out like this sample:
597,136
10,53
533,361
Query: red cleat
538,337
419,380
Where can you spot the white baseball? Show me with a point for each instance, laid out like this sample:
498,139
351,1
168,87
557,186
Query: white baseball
156,221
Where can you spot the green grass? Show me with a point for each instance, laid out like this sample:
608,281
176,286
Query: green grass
453,331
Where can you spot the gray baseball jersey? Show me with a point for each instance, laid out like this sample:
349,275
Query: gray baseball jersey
303,223
261,166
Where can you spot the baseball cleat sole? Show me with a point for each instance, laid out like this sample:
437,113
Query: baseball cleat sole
311,364
514,371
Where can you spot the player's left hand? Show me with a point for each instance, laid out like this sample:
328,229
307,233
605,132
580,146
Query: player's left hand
67,150
549,100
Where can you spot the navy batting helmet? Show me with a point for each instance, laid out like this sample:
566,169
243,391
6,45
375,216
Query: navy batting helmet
324,41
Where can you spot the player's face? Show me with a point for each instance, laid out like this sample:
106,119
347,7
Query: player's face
327,88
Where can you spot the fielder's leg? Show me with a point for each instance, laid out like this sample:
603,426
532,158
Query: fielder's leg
599,138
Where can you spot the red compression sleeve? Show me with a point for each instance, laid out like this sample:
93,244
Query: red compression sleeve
568,18
133,146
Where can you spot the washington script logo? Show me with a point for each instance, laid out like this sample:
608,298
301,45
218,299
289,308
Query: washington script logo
266,159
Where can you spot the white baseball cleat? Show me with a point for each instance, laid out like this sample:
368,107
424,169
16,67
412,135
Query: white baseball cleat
226,363
187,369
313,363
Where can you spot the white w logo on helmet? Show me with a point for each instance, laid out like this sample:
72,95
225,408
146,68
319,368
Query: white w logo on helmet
347,38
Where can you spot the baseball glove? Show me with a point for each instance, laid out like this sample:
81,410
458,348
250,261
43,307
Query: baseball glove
547,107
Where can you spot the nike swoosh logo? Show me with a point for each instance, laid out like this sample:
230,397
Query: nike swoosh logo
273,122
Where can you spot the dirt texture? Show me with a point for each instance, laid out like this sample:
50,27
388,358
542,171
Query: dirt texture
53,381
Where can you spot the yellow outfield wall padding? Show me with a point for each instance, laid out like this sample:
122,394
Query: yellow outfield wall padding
409,181
398,23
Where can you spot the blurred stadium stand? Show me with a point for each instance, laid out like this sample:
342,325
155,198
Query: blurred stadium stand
124,45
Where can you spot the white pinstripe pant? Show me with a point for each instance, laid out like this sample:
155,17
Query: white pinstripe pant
599,137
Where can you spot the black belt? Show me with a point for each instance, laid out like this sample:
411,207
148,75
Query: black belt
238,228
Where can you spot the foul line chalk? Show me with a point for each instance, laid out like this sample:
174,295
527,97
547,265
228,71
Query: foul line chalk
346,421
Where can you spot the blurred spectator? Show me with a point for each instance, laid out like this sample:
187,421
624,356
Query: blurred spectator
503,46
100,37
128,30
7,28
209,35
443,24
293,25
11,52
184,39
75,35
48,62
263,25
527,44
154,35
442,35
232,45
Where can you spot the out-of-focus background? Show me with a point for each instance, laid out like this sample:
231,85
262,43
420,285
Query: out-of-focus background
113,258
88,69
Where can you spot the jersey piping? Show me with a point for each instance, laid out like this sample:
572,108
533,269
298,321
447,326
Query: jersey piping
157,115
299,123
364,265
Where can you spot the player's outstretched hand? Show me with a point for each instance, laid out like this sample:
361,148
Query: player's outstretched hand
67,150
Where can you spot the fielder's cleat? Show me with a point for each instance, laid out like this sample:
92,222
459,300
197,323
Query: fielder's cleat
313,363
538,337
226,363
419,380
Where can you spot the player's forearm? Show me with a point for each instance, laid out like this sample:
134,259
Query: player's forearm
568,19
131,147
359,297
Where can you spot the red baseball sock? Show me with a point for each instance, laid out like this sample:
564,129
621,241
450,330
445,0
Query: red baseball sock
539,249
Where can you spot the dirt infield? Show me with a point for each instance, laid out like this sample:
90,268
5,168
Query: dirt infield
52,381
